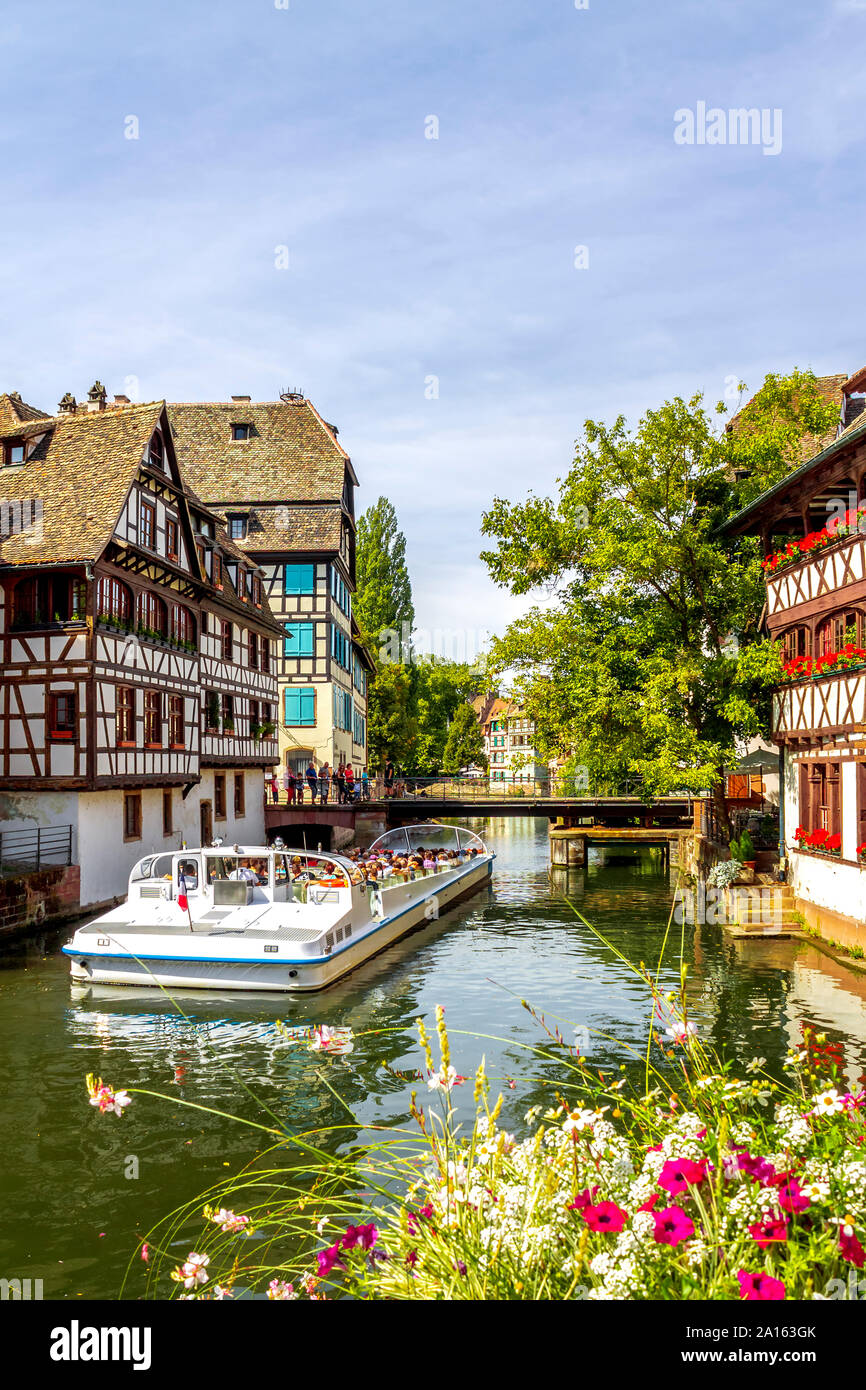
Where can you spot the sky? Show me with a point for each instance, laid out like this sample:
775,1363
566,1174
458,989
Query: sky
380,204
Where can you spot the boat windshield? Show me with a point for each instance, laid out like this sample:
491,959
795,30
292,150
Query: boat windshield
154,866
406,839
249,868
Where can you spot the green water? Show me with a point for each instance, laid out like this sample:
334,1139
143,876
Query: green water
69,1214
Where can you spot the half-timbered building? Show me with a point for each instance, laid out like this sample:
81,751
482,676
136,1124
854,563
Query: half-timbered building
813,530
278,473
138,690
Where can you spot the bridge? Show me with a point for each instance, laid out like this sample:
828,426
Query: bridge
434,798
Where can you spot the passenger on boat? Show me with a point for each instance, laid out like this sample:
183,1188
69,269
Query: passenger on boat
244,873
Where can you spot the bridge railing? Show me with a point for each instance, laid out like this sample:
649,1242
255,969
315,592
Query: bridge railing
408,787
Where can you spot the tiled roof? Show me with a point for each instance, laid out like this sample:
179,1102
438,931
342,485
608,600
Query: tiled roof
830,388
291,456
14,411
81,473
293,528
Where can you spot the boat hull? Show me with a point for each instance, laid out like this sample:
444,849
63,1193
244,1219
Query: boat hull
247,973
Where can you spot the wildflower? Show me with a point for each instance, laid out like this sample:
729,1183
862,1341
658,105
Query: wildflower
828,1103
278,1289
850,1248
582,1200
759,1286
193,1271
328,1260
145,1253
460,1268
335,1041
104,1098
678,1174
680,1031
791,1197
444,1079
756,1167
772,1229
650,1202
581,1119
412,1258
226,1220
607,1217
756,1064
672,1226
363,1236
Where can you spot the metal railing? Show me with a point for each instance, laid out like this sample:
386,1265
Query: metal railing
22,851
407,787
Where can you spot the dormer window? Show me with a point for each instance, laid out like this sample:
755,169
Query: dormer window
241,432
157,452
238,528
13,453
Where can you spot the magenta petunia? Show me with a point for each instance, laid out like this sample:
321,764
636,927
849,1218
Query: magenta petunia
583,1200
759,1286
329,1259
607,1217
850,1248
756,1167
672,1226
772,1229
791,1197
679,1174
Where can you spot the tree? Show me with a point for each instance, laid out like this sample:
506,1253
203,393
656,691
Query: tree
383,597
465,743
441,688
385,614
392,727
648,657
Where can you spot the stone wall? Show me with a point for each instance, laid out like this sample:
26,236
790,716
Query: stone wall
31,901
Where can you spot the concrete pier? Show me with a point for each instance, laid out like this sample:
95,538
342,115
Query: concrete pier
569,844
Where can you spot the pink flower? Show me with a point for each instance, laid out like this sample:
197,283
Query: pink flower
679,1174
364,1236
672,1226
850,1248
757,1168
607,1217
650,1202
145,1253
279,1290
193,1271
759,1286
773,1228
329,1259
792,1198
582,1200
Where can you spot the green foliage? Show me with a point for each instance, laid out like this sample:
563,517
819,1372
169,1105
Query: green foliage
383,597
441,688
782,426
392,727
465,743
647,658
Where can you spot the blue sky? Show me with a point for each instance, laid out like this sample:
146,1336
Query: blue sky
412,258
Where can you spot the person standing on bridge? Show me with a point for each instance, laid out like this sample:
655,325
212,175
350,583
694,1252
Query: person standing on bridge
349,783
389,779
365,785
312,779
324,783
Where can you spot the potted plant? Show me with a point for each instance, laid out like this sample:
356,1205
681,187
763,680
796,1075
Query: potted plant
747,851
739,850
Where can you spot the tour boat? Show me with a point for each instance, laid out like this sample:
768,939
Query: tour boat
271,918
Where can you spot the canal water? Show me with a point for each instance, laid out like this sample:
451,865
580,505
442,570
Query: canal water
78,1190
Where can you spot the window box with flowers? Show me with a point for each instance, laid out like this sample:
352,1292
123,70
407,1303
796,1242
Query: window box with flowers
847,658
819,841
861,855
839,529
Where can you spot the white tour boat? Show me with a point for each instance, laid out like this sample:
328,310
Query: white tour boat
272,918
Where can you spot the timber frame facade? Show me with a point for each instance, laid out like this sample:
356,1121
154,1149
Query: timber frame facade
812,527
278,473
138,650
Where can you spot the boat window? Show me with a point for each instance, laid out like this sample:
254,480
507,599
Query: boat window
190,870
252,868
155,866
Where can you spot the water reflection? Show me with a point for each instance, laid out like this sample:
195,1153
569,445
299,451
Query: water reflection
70,1215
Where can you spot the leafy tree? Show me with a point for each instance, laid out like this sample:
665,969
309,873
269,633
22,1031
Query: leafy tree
392,726
441,688
382,606
465,742
383,597
647,656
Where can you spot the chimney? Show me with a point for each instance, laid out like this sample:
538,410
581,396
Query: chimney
121,400
241,398
68,405
96,396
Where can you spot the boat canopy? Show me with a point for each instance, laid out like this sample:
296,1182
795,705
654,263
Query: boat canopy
407,839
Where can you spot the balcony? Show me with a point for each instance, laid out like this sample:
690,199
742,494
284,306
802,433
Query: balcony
832,702
839,568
